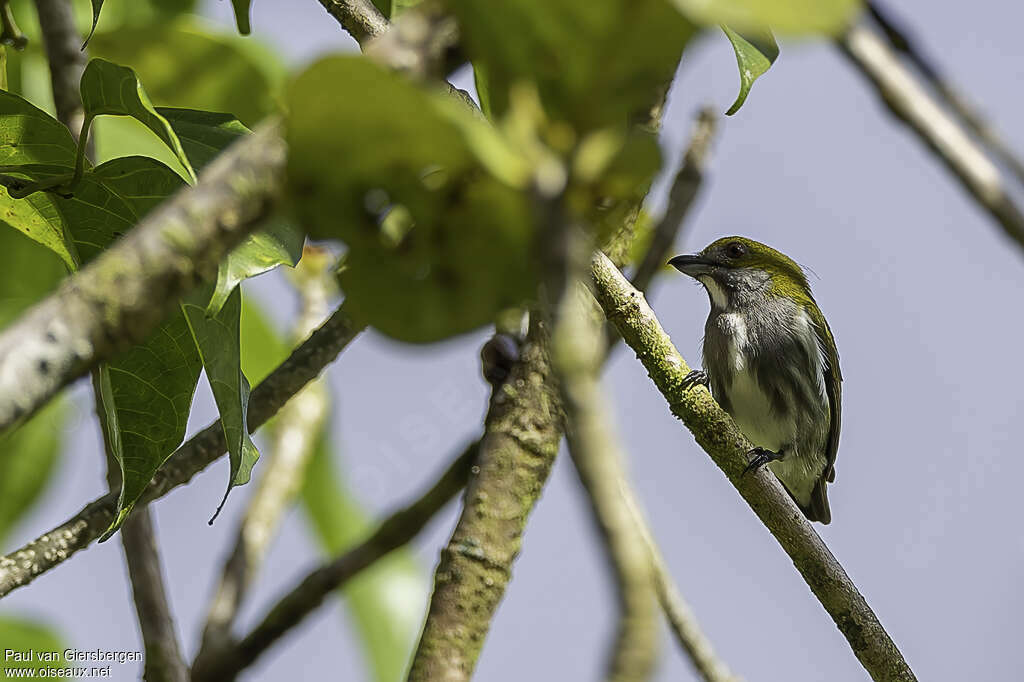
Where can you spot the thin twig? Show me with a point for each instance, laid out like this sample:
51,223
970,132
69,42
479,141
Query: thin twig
118,298
160,640
680,616
297,428
396,531
67,60
51,549
904,42
908,100
684,190
718,435
577,349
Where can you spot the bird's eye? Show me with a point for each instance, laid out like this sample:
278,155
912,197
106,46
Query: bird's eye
735,250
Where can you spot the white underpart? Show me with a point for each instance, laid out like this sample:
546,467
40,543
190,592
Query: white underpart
751,407
719,298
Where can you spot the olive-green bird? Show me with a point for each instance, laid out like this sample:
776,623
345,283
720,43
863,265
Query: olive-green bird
771,362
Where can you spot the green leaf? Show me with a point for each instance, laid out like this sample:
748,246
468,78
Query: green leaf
783,16
437,242
278,244
97,5
219,346
38,218
184,63
147,390
242,15
205,134
22,634
151,387
386,600
109,88
754,56
30,135
594,62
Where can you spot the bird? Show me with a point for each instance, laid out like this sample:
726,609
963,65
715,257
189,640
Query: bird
770,360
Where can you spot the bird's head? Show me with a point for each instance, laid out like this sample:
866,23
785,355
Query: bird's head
736,270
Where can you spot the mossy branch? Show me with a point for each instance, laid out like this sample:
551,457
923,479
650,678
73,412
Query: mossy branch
120,297
51,549
910,102
578,353
396,531
522,432
718,435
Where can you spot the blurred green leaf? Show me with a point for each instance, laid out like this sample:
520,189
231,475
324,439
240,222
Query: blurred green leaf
594,62
608,190
28,459
30,272
109,88
263,347
386,601
643,235
217,338
29,454
183,63
242,15
437,243
783,16
483,90
754,56
22,634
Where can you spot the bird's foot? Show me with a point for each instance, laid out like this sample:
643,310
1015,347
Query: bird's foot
759,457
697,376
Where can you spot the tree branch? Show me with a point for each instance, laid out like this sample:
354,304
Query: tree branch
680,199
716,433
360,18
912,104
298,425
905,43
680,616
578,351
304,364
160,640
521,435
397,530
117,299
67,60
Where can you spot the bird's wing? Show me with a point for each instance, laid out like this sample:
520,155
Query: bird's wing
833,390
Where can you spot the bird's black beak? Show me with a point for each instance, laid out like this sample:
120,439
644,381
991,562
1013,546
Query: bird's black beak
693,265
